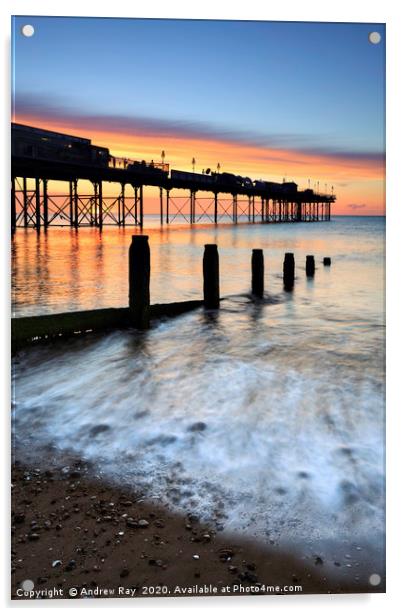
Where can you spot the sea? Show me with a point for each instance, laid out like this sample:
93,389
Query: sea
268,416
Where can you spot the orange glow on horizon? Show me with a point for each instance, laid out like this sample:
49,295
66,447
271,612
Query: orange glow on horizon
357,182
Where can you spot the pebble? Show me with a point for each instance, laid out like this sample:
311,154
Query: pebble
19,518
71,565
56,563
196,556
143,523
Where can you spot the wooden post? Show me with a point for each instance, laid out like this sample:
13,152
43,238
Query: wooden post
327,261
310,266
289,271
139,272
37,204
210,267
215,208
257,272
167,206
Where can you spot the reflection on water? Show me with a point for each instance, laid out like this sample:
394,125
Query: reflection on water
268,417
65,269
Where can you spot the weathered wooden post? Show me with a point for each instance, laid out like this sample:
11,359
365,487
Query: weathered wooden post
257,272
289,271
310,266
139,271
327,261
210,266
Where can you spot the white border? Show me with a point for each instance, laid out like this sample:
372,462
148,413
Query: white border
287,10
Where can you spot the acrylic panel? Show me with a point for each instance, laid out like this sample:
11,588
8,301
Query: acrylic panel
198,244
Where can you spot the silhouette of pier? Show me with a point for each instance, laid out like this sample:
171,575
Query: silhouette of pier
40,156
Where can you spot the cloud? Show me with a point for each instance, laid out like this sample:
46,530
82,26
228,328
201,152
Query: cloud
50,109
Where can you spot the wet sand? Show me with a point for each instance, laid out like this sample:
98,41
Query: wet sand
72,530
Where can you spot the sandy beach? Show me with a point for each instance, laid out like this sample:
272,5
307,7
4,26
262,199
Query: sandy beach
75,536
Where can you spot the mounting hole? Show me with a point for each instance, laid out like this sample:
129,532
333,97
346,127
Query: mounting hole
27,585
375,38
28,30
374,579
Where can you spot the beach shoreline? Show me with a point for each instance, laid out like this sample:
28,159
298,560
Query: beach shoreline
73,530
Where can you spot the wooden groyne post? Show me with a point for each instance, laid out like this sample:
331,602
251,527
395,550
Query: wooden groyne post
327,261
210,266
257,272
139,271
310,266
289,271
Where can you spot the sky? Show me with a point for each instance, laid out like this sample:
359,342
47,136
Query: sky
271,100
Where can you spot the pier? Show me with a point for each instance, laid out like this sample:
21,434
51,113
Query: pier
39,157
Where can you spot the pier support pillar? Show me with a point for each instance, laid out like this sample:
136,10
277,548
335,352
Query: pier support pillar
71,204
141,206
139,272
161,205
257,272
100,205
167,206
25,201
123,205
210,268
75,196
310,266
45,205
289,271
37,204
215,208
13,206
192,206
94,212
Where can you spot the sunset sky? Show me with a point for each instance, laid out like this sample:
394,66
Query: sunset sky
268,100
